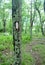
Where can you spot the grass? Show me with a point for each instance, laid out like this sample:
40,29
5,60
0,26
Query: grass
5,42
6,46
40,48
27,58
25,38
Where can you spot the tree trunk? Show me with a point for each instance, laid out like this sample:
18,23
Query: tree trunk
32,19
44,5
4,25
16,17
31,22
41,23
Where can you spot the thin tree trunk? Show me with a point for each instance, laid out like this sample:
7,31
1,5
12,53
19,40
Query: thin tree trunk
31,22
4,25
40,21
32,19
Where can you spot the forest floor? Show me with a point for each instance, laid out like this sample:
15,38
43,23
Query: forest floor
36,47
33,53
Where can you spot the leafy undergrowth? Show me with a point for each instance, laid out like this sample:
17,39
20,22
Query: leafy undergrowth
25,38
5,42
6,51
39,35
40,48
27,58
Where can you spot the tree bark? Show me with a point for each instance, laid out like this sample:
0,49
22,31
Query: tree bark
16,18
31,19
41,23
4,25
31,22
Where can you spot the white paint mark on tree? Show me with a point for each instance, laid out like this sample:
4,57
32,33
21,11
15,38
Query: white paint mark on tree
16,25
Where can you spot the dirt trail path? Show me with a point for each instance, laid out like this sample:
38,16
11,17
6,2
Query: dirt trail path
35,54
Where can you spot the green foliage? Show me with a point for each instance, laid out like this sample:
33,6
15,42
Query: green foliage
25,38
9,26
6,47
27,59
6,41
40,48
